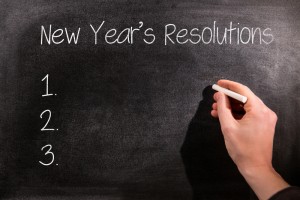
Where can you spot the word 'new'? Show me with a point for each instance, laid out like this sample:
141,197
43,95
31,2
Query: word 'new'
57,36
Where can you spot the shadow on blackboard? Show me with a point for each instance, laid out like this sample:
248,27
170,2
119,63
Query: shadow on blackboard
209,169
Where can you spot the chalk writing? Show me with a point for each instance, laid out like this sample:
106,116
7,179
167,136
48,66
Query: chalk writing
56,36
44,128
214,34
48,152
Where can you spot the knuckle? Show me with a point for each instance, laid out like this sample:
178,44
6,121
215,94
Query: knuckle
227,129
273,116
267,114
265,111
270,115
246,87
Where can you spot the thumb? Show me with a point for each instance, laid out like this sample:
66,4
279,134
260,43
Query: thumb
224,110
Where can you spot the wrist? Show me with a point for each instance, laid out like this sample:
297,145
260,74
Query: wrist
256,171
264,180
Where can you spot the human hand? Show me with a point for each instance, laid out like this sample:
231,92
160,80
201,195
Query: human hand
249,137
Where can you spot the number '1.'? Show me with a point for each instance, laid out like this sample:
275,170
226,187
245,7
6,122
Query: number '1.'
47,86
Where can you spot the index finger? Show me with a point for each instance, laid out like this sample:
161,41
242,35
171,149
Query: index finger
241,89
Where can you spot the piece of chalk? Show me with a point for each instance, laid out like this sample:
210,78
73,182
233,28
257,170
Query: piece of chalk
230,93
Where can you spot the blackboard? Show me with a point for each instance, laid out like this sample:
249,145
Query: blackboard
132,120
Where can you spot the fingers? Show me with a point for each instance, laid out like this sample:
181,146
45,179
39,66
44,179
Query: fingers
243,90
237,109
214,113
223,110
214,106
236,87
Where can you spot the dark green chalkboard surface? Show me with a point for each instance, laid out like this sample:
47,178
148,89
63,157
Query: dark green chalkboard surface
124,114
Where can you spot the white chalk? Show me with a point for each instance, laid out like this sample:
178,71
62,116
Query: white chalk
230,93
